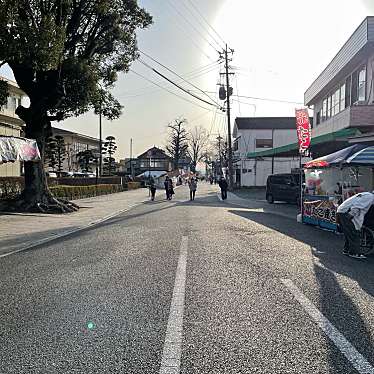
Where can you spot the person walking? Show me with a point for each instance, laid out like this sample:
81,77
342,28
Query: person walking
192,184
152,188
168,188
223,186
350,216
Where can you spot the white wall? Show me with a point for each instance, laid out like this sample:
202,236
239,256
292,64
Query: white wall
258,171
247,140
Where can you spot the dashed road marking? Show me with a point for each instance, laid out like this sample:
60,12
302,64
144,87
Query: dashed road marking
357,360
171,355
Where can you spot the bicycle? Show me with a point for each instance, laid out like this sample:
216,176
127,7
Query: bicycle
366,240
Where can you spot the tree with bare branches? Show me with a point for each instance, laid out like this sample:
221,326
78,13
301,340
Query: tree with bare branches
198,140
177,142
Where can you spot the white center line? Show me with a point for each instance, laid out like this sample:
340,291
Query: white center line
345,347
171,355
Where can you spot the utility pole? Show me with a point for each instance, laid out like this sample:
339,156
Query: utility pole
131,170
225,55
220,154
101,141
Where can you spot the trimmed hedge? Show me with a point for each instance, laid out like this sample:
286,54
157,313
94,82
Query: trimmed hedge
11,187
133,185
81,192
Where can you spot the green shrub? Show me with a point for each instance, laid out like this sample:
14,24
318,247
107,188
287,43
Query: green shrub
81,192
133,185
10,187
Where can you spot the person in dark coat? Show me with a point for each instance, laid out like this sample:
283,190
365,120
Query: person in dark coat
223,185
169,188
152,188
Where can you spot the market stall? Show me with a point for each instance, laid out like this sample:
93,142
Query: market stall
331,179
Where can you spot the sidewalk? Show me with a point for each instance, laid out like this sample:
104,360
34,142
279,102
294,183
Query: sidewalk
19,231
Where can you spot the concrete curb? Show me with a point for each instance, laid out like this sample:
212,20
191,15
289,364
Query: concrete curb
70,232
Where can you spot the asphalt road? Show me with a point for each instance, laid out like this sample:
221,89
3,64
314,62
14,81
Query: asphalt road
188,287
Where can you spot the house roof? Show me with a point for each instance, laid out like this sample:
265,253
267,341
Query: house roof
156,153
57,131
263,123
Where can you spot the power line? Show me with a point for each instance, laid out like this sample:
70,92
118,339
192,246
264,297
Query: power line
201,24
205,20
173,72
192,40
177,85
171,92
193,27
144,91
265,99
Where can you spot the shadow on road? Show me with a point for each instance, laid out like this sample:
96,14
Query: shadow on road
328,264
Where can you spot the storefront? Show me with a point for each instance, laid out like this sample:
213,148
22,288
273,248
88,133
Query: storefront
332,179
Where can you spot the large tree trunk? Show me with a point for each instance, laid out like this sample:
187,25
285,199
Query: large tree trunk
36,196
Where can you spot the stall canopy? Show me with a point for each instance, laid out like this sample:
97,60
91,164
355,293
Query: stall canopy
357,154
18,149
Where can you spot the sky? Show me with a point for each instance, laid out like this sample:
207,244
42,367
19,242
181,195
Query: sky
279,49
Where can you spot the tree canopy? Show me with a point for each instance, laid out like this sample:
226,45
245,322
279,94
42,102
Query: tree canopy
65,55
61,50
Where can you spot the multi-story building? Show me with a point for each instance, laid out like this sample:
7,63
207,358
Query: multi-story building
11,125
342,98
75,143
343,94
258,135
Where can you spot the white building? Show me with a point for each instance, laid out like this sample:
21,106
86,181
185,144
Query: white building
254,135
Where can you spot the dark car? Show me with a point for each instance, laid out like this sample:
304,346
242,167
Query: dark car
283,187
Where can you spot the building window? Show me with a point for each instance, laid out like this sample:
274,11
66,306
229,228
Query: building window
348,87
335,103
342,98
329,106
354,88
318,120
324,110
264,143
361,94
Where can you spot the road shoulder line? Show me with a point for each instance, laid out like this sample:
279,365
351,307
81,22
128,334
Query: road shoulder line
357,360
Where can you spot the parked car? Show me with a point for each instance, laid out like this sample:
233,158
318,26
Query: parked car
51,174
83,175
283,187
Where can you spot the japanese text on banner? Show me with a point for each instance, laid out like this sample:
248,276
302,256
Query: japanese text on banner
303,129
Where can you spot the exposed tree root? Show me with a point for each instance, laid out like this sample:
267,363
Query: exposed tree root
48,204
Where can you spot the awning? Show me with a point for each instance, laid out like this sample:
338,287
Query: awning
357,154
294,147
18,149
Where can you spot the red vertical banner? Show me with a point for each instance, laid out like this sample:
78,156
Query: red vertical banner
304,133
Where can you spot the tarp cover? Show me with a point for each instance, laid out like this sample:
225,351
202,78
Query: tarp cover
153,174
18,149
358,154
